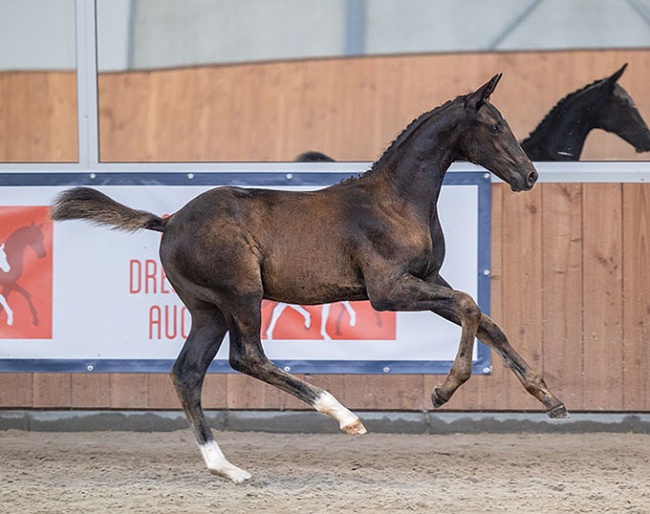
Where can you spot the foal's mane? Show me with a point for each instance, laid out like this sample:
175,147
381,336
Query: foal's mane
403,136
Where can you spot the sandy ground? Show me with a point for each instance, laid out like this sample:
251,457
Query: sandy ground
163,473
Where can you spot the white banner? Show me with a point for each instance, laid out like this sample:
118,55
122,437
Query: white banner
97,299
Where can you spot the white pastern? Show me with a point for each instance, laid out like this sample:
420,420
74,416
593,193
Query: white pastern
218,464
348,421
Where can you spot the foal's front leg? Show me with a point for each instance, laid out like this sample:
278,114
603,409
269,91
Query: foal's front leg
414,294
489,333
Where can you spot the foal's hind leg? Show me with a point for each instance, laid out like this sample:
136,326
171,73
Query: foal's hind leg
247,356
208,330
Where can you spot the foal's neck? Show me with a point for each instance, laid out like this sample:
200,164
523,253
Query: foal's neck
415,171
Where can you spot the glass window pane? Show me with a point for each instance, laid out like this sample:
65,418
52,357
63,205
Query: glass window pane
265,80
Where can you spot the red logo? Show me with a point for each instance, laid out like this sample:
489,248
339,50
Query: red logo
341,320
25,273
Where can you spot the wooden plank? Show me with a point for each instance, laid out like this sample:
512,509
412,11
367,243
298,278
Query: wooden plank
129,391
90,390
522,287
124,109
5,129
562,298
603,290
60,123
245,392
52,390
386,392
215,391
485,392
16,390
161,393
39,113
636,296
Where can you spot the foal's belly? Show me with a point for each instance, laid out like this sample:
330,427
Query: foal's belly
317,281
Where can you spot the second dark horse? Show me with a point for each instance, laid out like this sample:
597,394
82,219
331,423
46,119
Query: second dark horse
376,237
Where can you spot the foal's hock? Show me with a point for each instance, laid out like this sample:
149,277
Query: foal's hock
230,248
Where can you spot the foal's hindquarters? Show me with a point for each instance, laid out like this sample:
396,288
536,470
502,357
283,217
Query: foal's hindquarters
223,291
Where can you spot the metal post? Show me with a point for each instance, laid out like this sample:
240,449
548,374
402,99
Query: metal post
87,106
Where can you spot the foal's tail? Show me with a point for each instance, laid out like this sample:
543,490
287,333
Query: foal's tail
84,203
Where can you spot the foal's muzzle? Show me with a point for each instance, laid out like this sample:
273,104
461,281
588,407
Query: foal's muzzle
526,182
532,178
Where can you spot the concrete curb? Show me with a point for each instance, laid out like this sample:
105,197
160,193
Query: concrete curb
290,422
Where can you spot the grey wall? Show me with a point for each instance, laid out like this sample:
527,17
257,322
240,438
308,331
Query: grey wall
142,34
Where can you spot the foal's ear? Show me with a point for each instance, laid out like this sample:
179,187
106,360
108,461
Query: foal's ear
480,96
610,81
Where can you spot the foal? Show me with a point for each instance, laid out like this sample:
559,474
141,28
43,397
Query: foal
376,237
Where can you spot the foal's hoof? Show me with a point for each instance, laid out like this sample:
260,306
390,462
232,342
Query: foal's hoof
436,399
559,411
354,428
233,473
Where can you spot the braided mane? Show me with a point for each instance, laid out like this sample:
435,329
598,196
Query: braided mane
403,137
410,130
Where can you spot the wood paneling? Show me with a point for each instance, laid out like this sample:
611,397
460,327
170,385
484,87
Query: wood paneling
562,278
522,286
349,108
38,117
603,296
570,262
90,391
636,296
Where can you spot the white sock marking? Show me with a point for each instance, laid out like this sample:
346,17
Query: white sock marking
219,465
327,404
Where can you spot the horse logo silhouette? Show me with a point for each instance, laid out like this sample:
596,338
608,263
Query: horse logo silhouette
25,273
5,267
354,321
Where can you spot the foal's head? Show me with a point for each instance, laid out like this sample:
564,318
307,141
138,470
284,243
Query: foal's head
615,111
488,140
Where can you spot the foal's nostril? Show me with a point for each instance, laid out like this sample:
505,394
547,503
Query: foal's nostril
532,178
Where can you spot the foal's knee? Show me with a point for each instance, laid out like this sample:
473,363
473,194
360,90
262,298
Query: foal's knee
470,311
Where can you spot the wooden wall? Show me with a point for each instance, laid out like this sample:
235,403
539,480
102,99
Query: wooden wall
570,262
349,108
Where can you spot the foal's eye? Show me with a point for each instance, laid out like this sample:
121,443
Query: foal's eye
494,129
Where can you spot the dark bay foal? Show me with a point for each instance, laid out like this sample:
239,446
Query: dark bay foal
376,237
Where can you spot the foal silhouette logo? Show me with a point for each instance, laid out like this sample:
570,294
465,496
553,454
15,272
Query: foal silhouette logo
25,272
336,321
